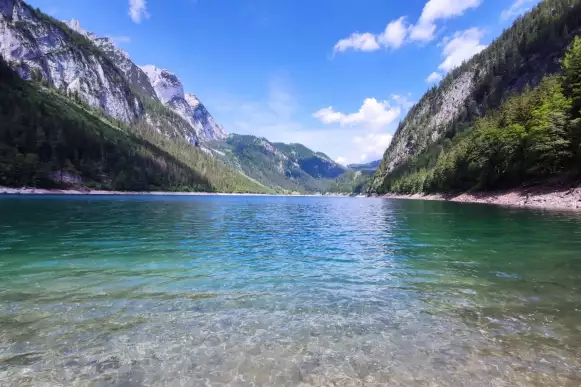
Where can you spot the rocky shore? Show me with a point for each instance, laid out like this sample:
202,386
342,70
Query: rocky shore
43,191
538,197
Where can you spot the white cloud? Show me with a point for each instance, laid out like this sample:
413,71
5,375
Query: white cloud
363,136
462,46
372,144
371,126
434,78
138,10
373,114
358,42
517,8
395,34
435,10
119,39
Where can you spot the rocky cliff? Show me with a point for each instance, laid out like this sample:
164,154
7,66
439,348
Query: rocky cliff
520,57
170,91
37,45
80,63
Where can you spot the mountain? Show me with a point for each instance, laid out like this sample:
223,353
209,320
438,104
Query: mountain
170,92
517,59
49,140
283,167
315,164
371,166
351,182
78,80
39,46
134,75
147,104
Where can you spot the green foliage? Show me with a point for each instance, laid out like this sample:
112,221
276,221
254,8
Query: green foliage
530,138
519,58
283,167
351,182
572,73
47,140
316,164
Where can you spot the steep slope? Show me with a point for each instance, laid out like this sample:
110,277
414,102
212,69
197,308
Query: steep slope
39,46
280,166
134,75
170,92
209,129
521,56
82,65
47,140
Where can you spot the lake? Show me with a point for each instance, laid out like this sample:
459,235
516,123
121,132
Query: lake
286,291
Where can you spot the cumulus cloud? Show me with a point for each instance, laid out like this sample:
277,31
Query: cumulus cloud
373,144
357,42
434,78
138,10
398,31
347,137
516,9
372,114
435,10
371,126
462,46
394,34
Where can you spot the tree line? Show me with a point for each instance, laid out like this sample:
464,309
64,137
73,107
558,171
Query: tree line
45,135
533,136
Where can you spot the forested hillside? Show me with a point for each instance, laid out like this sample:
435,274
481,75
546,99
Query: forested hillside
47,140
283,167
535,136
515,62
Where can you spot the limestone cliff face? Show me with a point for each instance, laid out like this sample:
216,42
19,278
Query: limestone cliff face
81,63
34,43
428,120
170,91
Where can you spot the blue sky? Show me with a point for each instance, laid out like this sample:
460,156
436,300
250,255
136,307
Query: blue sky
335,75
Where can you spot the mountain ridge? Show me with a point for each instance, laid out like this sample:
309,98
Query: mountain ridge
519,57
145,97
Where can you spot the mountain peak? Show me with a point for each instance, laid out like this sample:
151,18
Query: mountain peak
75,25
192,100
166,84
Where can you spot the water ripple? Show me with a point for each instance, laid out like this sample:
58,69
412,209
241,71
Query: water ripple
226,291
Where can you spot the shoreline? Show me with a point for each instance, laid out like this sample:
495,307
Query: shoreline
10,191
546,198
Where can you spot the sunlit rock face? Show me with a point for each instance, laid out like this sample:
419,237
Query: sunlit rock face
170,91
36,44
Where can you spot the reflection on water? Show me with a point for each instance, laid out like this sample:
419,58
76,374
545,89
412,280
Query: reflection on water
225,291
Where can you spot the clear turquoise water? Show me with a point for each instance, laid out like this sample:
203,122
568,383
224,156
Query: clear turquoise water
275,291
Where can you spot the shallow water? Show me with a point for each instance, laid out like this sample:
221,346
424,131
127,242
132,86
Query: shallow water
275,291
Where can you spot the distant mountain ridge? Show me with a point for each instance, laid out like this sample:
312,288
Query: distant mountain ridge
287,167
